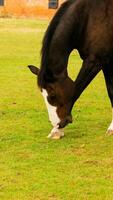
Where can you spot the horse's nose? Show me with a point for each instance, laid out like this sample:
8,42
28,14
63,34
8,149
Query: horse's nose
69,119
65,121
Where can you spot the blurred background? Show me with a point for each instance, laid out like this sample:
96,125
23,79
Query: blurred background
29,8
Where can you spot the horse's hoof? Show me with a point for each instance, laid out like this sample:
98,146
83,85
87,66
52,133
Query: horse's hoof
109,132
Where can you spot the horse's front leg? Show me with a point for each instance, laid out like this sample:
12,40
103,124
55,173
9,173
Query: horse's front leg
108,73
88,71
110,128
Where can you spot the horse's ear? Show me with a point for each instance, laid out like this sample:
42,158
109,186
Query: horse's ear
33,69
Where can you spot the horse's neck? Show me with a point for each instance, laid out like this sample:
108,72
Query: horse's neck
63,40
58,59
60,50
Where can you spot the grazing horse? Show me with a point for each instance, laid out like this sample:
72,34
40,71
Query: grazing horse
84,25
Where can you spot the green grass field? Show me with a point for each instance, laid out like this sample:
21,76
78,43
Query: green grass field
32,167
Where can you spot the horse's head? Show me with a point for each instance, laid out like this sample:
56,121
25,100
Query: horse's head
58,98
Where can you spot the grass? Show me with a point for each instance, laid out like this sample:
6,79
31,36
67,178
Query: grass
78,167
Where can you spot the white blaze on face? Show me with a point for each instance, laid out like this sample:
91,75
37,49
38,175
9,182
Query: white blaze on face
52,110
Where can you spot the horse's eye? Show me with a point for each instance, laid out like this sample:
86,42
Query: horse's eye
52,99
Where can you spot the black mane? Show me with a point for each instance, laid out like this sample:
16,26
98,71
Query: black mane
47,42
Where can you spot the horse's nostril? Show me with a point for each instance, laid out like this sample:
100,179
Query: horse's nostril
69,119
65,121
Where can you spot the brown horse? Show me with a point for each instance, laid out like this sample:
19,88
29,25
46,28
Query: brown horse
84,25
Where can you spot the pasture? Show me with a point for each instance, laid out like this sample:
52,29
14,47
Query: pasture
32,167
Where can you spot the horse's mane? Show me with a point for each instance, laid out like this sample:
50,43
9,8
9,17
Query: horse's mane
47,42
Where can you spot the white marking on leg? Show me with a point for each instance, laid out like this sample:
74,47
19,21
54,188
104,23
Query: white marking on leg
52,110
111,126
110,129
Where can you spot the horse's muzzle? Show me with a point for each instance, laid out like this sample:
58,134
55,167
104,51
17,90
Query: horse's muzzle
65,121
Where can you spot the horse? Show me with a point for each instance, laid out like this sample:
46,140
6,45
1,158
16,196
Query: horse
86,26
